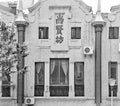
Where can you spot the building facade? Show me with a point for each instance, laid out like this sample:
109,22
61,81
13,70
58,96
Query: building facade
61,64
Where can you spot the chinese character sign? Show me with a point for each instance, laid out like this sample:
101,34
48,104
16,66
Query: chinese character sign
59,27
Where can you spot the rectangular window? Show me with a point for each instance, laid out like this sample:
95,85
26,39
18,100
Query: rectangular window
59,82
113,74
79,78
113,32
39,78
76,33
5,84
43,32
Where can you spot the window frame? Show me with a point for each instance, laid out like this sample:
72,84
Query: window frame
45,34
58,90
59,59
115,88
6,86
75,28
112,33
79,86
39,87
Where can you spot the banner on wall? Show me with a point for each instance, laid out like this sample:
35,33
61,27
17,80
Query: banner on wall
60,32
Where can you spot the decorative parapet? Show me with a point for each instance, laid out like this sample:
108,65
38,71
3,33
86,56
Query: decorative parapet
115,8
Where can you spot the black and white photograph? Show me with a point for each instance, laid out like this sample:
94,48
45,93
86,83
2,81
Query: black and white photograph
59,52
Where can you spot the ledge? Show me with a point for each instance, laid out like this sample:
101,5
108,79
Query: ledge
60,6
65,98
8,98
114,98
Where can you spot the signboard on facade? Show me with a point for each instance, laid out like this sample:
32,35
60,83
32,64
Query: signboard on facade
60,36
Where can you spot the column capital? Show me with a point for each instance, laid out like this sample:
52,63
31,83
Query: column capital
98,27
21,27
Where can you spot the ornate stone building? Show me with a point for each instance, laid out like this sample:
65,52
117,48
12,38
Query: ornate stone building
73,55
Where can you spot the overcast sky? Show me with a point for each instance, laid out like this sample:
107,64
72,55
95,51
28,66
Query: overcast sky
105,4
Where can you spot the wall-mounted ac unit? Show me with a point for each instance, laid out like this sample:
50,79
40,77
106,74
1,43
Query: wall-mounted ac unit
29,100
88,50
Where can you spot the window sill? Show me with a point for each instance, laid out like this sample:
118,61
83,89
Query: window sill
65,98
75,40
44,40
114,98
8,98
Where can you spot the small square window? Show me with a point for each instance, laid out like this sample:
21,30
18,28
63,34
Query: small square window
76,33
113,32
43,32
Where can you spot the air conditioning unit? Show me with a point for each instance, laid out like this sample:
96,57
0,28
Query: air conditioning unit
29,100
88,50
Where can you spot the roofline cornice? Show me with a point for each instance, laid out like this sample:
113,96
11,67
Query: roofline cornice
115,8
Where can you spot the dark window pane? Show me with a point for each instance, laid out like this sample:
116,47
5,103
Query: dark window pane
79,90
116,32
59,90
39,78
6,91
55,72
113,74
6,85
113,32
43,32
39,90
114,89
46,32
79,78
59,77
59,72
76,33
72,33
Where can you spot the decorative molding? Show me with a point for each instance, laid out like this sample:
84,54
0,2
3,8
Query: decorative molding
32,18
66,98
84,7
115,8
88,18
111,17
31,9
60,6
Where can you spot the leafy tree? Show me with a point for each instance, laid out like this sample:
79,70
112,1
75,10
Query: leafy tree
8,53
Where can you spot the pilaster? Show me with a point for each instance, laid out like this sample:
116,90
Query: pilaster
89,81
47,78
71,79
